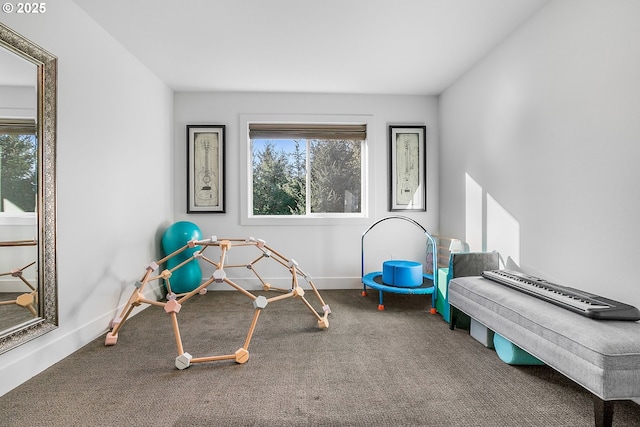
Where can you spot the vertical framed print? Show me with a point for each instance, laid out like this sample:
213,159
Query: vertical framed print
205,169
407,168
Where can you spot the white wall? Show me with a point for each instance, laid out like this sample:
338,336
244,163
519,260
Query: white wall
330,254
18,101
114,180
545,130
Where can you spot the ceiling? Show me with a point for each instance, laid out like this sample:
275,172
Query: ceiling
416,47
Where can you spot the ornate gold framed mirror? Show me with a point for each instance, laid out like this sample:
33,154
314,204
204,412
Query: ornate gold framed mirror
43,300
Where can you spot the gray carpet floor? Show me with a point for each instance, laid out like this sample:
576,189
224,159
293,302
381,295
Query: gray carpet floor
398,367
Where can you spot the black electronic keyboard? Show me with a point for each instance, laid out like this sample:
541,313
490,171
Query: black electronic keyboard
590,305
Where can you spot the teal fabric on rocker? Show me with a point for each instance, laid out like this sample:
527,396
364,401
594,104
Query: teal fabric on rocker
466,264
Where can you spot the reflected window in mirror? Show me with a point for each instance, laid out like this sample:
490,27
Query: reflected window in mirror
18,200
28,274
18,166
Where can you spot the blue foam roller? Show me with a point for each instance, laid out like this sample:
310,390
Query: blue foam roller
512,354
404,274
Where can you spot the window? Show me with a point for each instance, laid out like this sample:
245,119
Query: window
306,170
18,160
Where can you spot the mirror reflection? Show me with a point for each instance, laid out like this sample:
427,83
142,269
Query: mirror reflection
18,191
28,282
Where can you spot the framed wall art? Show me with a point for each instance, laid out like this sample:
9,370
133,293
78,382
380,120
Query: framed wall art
407,168
205,169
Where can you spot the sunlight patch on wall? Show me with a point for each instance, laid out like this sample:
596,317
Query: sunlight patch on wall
503,231
489,226
473,214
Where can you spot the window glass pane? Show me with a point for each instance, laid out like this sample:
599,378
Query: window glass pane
279,176
18,173
335,176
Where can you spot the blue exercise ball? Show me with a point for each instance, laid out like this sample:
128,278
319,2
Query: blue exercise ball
188,277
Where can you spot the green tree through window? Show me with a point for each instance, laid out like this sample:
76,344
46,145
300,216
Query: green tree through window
18,173
284,169
335,176
278,184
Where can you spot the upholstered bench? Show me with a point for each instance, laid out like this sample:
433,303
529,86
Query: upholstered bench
603,356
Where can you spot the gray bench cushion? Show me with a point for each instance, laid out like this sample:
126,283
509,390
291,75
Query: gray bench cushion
602,356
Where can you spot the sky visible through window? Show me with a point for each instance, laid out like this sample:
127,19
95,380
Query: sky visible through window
286,146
